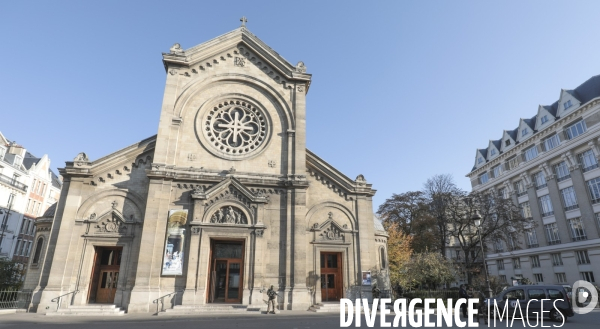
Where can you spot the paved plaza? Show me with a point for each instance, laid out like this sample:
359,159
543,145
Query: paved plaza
287,320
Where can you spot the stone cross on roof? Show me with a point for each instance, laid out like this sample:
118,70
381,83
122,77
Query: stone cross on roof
244,21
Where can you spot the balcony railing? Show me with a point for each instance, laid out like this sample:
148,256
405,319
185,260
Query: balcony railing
560,179
13,182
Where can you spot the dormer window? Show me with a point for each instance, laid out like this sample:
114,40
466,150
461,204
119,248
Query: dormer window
18,160
493,152
544,119
567,104
524,132
480,160
507,142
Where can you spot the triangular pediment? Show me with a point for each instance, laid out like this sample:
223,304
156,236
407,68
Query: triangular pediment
110,222
230,188
330,231
222,49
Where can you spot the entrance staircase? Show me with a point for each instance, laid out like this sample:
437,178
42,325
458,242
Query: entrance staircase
89,310
325,307
213,309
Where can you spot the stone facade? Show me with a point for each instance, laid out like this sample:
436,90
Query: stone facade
548,166
227,184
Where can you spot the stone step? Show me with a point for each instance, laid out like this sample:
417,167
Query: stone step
89,310
212,309
325,307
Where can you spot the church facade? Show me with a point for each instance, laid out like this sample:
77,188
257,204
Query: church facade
222,203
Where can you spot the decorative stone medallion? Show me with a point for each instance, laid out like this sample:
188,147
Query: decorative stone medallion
235,129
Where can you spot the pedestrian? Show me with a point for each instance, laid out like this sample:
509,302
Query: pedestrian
271,303
462,293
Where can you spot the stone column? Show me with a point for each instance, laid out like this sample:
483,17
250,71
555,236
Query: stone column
300,295
54,279
189,294
149,265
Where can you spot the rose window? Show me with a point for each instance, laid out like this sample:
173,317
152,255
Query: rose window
235,128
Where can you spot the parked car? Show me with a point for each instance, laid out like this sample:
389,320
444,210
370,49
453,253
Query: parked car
523,294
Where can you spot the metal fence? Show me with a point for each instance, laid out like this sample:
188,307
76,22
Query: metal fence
14,299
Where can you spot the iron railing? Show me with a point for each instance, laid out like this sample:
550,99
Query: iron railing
14,299
13,182
161,301
58,300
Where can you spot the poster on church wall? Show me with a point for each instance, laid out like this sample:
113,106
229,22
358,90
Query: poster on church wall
174,242
366,278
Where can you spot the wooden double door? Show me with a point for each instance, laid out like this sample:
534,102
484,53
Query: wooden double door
226,274
105,275
331,276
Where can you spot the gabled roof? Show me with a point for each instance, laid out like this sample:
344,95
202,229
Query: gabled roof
497,144
230,39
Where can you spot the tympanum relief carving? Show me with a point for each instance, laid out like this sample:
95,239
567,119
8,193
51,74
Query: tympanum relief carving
229,215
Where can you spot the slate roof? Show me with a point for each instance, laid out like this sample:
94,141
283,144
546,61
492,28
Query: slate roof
50,211
585,92
55,179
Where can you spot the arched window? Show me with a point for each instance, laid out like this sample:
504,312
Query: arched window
38,250
382,258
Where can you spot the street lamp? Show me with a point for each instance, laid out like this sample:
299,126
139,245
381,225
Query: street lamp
477,220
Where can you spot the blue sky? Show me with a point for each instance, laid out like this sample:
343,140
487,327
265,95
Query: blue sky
401,90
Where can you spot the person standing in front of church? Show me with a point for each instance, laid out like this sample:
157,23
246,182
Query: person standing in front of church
271,303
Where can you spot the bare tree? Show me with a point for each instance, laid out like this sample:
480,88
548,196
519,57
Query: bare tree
440,190
500,220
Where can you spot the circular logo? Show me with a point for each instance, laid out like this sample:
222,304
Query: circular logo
585,297
235,128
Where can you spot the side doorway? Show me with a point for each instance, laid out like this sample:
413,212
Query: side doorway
331,276
105,275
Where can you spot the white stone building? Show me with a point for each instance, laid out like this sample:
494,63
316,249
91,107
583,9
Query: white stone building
27,187
222,203
549,166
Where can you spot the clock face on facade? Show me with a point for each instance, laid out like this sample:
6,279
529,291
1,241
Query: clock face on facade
235,129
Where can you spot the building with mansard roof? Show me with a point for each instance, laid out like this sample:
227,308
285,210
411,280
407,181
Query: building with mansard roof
27,188
223,202
548,166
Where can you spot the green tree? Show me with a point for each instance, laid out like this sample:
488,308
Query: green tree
428,269
409,213
10,275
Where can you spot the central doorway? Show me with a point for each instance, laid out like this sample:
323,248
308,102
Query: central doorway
105,275
226,273
331,276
